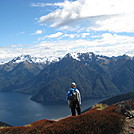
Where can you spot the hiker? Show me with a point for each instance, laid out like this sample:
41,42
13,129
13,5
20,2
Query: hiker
74,99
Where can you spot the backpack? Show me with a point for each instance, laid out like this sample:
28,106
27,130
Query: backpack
73,95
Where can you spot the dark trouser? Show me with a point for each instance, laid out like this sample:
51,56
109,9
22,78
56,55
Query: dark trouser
75,106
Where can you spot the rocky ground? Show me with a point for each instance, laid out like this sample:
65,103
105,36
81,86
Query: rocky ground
129,125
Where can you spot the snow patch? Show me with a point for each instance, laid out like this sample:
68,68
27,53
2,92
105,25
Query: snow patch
75,56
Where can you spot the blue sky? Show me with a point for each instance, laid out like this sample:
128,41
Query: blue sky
52,28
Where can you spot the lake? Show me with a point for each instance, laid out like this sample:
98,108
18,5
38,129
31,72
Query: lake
18,109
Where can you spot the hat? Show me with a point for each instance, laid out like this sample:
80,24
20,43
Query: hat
73,85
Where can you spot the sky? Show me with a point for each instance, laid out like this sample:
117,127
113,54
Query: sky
53,28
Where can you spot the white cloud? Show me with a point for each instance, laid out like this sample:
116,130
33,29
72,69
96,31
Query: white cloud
70,35
85,34
37,32
107,44
61,35
38,4
110,15
62,16
121,23
56,35
33,4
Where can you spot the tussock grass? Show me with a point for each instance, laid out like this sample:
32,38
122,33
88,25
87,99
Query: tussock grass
100,106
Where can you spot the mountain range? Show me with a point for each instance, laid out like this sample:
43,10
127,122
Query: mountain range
48,80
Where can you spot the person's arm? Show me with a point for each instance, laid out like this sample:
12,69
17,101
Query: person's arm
78,96
67,98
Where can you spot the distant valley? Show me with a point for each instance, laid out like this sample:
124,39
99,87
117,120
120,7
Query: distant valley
49,79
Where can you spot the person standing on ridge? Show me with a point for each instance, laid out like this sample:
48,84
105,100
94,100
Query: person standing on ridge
74,99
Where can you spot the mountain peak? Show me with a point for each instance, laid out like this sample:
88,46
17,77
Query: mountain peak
31,59
86,57
73,55
22,58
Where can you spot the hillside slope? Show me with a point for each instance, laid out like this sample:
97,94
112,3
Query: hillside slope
96,77
116,99
119,98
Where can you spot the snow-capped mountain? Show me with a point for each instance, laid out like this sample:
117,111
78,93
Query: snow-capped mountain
96,76
31,59
28,61
86,57
80,56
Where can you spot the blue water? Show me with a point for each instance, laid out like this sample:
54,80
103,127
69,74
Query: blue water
18,110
